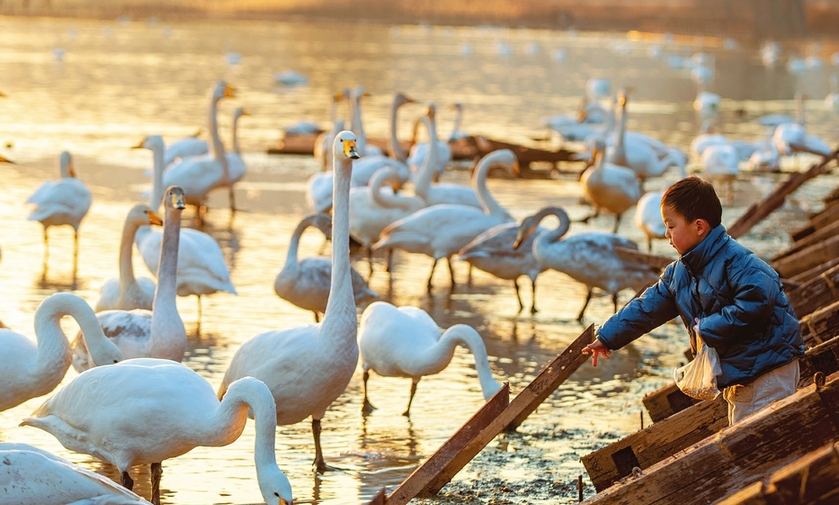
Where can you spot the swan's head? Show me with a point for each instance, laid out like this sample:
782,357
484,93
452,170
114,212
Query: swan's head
622,98
141,214
275,487
457,106
401,99
65,165
174,198
599,147
526,228
504,157
223,90
322,222
430,110
240,111
359,92
345,144
152,142
340,95
2,94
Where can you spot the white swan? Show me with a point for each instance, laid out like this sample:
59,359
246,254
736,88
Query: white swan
648,217
145,410
61,202
357,124
28,370
419,150
128,292
236,167
492,251
201,266
308,367
706,138
722,166
306,282
198,175
589,258
440,231
185,147
441,192
374,207
406,342
156,333
323,143
33,476
319,186
610,187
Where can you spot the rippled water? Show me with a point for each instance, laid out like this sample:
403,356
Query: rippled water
119,81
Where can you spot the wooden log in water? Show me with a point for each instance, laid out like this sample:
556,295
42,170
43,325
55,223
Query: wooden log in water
759,210
737,456
811,479
818,292
807,258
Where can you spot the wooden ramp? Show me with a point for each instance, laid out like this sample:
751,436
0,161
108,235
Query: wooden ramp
737,456
494,417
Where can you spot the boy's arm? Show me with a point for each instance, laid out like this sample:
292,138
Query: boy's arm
754,301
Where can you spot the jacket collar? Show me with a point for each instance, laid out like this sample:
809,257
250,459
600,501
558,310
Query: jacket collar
704,252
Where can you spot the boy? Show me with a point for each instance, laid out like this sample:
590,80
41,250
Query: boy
724,293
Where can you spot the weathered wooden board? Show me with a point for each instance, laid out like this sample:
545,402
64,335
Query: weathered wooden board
810,480
816,293
453,455
759,210
666,401
814,272
820,325
826,217
807,258
737,456
825,233
684,428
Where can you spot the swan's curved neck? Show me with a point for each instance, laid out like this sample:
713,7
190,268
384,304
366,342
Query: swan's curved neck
340,308
157,188
235,134
426,171
557,233
216,146
479,181
386,199
164,307
294,243
356,124
126,246
458,118
467,336
619,150
393,140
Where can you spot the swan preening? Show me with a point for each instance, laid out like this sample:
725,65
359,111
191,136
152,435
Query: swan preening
28,370
592,258
158,333
33,476
128,292
306,282
406,342
440,231
61,202
143,411
308,367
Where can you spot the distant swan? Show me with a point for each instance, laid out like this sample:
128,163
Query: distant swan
33,476
158,333
28,370
648,217
589,258
610,187
306,282
440,231
144,410
184,148
61,202
128,292
406,342
236,167
308,367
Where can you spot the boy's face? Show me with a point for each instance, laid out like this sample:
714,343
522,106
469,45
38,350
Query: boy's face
683,235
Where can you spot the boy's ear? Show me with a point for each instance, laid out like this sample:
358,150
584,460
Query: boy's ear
702,227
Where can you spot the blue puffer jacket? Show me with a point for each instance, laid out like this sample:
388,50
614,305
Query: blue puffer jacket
738,298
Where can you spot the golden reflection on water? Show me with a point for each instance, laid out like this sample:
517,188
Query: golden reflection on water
119,83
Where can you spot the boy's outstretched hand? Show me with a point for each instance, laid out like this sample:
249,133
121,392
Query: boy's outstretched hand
596,348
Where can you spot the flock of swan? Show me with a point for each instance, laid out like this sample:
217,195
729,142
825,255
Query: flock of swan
134,403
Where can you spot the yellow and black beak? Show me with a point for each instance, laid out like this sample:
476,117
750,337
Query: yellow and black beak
349,150
229,91
154,218
140,145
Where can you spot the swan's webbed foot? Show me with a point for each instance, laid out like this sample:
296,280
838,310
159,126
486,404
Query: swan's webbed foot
367,408
533,308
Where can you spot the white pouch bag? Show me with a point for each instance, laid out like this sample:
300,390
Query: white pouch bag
698,379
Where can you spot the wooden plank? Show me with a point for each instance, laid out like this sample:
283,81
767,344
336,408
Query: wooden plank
737,456
811,479
666,401
807,258
655,261
444,464
814,272
818,292
379,498
822,234
759,210
821,325
816,222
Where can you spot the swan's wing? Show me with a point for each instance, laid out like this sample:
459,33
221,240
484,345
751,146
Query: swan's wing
190,146
195,175
654,261
319,191
66,196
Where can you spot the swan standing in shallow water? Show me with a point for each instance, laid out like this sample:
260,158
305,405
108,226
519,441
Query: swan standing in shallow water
492,251
590,258
143,411
28,370
158,333
33,476
406,342
236,167
306,282
308,367
609,187
440,231
201,266
61,202
128,292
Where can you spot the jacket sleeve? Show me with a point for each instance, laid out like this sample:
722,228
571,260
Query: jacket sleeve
653,308
755,293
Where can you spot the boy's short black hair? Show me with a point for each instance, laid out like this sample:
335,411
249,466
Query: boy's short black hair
694,198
